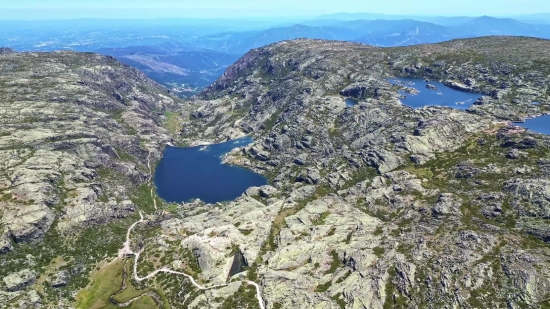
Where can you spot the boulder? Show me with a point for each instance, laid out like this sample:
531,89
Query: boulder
446,205
302,193
253,191
513,154
33,297
281,142
466,170
432,87
307,141
29,222
313,176
262,156
542,232
524,143
61,279
382,160
480,101
18,281
419,159
362,90
5,243
301,159
458,85
310,176
267,191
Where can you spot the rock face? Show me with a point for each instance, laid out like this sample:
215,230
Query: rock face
5,243
531,196
18,281
56,139
29,222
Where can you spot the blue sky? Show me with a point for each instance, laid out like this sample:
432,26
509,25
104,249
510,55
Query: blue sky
52,9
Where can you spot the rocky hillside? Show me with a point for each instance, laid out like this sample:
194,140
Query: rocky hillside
379,205
376,205
77,136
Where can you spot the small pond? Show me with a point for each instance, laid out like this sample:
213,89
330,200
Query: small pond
440,95
351,102
539,124
184,174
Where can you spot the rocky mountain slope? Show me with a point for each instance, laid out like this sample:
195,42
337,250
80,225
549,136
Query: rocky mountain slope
379,205
376,205
78,134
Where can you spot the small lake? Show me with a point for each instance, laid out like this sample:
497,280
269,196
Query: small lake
184,174
351,102
540,124
442,96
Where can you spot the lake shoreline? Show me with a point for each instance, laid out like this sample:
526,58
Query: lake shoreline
199,172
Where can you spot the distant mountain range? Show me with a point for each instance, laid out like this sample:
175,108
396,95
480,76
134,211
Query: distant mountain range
376,32
541,18
189,54
440,20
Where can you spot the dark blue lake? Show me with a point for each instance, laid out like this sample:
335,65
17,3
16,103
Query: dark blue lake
443,96
184,174
540,124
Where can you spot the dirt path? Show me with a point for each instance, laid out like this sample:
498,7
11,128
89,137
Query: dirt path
126,250
167,270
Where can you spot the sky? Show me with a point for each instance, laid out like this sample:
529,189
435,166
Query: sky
62,9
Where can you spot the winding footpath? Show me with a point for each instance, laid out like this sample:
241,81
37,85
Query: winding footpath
127,251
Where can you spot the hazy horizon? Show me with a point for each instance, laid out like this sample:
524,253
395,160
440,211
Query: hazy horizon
247,9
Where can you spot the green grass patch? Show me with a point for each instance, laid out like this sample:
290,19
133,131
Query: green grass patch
420,172
321,219
108,281
245,297
379,251
335,263
339,300
394,300
321,288
245,232
173,122
142,198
